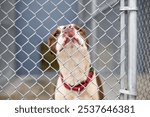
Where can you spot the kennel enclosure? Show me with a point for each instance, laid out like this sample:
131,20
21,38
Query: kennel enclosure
118,31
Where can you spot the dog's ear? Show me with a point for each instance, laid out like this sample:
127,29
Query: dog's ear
52,41
52,44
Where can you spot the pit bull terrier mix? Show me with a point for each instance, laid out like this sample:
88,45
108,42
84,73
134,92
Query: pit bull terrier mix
77,78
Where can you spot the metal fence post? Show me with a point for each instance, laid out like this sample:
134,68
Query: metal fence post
122,53
94,40
132,47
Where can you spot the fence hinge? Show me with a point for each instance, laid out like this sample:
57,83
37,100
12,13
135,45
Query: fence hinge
127,8
127,92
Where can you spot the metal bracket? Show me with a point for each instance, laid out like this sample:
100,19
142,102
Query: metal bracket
126,8
127,92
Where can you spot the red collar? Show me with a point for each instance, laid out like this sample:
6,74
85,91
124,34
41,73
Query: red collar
81,85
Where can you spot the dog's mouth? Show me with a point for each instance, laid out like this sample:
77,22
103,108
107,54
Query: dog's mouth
70,38
72,41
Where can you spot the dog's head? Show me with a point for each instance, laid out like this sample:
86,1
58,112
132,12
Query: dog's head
68,36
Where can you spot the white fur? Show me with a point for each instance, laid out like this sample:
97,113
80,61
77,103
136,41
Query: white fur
74,62
90,92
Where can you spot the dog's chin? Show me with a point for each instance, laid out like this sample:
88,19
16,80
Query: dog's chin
73,60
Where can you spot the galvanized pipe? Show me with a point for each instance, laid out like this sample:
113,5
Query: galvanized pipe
122,53
132,47
94,40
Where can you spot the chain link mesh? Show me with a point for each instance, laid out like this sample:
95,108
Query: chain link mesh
25,71
143,56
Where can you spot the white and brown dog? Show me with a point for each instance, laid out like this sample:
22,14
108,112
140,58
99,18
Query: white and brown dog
77,79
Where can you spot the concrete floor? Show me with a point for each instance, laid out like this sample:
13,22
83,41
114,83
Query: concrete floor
42,88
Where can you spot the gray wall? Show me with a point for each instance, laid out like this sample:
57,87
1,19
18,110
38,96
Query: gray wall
7,41
103,25
38,20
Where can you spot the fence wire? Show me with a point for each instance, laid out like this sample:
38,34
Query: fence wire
29,71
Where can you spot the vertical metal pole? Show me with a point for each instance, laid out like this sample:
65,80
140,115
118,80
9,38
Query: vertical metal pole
122,53
132,48
94,41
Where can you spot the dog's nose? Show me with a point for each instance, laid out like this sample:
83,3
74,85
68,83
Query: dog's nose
69,30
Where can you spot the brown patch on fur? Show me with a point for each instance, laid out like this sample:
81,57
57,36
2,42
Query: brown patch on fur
52,40
83,34
100,91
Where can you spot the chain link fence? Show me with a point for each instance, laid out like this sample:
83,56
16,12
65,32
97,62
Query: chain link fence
29,71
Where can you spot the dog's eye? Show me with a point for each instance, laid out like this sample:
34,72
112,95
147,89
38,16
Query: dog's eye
80,31
57,33
78,28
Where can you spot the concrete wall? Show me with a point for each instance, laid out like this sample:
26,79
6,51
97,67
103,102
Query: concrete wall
7,41
36,22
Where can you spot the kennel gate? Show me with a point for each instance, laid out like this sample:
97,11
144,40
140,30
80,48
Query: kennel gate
25,71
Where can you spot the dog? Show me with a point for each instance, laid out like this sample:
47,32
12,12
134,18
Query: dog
77,79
